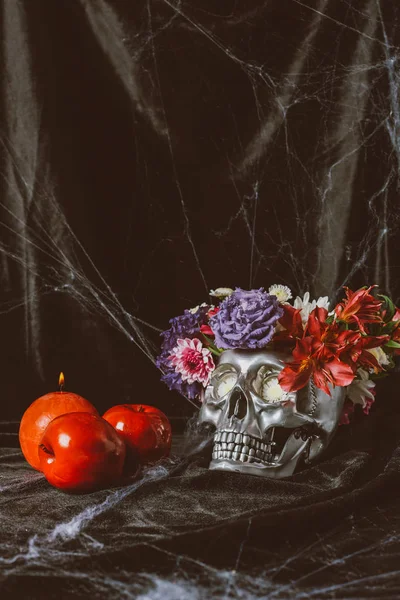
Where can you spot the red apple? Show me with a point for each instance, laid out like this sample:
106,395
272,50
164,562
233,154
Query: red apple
40,413
80,452
145,430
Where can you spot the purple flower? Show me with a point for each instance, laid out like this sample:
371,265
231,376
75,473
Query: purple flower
182,327
185,326
246,319
174,381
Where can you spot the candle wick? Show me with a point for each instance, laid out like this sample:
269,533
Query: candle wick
61,382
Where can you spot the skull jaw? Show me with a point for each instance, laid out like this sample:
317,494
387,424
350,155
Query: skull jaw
283,467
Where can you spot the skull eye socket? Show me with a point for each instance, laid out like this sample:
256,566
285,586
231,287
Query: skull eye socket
266,386
223,381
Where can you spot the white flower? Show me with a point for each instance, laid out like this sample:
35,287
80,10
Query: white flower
323,302
359,390
221,292
282,292
196,308
226,384
306,307
380,355
272,391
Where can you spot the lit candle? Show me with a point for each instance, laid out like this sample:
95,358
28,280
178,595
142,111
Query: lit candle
41,412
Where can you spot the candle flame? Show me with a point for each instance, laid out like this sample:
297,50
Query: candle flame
61,380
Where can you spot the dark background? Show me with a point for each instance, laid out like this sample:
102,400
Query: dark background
151,151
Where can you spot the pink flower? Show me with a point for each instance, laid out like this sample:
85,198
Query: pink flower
192,360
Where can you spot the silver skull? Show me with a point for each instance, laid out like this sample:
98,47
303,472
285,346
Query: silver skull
259,430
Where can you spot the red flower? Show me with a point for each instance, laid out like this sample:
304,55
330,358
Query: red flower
327,353
326,338
359,307
321,365
206,329
329,339
292,323
356,350
349,407
296,374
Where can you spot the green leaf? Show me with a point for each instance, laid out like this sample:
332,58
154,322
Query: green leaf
377,376
388,306
392,344
390,327
215,351
211,346
208,339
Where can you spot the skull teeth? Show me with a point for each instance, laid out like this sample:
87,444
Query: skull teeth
243,457
242,447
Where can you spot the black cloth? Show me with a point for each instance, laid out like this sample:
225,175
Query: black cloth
183,531
151,150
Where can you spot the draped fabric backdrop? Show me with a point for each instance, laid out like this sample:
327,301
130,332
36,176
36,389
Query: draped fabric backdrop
150,151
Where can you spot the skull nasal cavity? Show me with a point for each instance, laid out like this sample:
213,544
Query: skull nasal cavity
237,405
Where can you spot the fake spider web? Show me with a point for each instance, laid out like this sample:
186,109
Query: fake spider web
301,191
317,254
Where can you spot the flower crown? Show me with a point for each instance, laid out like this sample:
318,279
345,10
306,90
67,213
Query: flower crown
349,346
